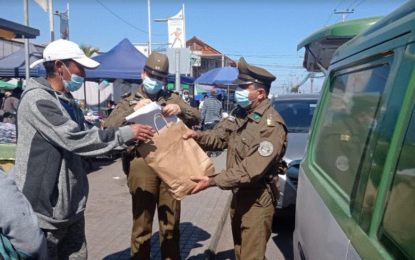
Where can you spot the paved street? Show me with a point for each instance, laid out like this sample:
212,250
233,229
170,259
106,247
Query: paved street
204,216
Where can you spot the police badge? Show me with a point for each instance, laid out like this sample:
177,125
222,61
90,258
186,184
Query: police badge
265,148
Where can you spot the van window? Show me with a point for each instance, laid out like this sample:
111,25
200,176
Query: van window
348,121
397,231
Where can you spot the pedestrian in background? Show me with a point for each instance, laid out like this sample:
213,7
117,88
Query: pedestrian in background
186,97
110,107
211,112
211,115
202,101
9,107
51,140
256,138
147,190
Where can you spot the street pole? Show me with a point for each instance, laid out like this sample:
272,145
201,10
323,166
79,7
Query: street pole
52,26
177,82
184,27
343,13
311,82
26,41
67,8
149,29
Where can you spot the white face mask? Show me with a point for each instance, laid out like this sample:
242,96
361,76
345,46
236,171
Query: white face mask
75,83
152,86
241,97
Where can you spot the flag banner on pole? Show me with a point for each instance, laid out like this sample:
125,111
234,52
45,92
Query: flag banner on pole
43,4
64,25
175,30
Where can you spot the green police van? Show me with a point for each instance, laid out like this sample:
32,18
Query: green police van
356,187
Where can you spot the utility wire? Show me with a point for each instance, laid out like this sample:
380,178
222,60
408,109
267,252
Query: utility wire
352,4
359,3
141,30
356,6
333,12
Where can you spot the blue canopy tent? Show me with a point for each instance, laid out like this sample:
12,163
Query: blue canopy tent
171,78
220,78
13,65
123,61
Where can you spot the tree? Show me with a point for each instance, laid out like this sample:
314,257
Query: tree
89,50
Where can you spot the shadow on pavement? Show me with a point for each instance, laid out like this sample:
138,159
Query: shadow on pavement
190,235
226,255
121,255
282,235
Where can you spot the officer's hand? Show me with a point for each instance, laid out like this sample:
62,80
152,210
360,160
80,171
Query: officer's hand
202,183
189,134
171,110
142,132
141,103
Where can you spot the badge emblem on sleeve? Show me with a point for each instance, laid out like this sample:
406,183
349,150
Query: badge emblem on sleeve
265,148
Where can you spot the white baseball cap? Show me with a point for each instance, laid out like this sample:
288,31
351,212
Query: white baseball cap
63,50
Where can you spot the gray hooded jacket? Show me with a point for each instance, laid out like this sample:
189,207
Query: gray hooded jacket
50,142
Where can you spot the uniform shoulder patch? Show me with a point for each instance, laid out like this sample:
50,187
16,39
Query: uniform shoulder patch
265,148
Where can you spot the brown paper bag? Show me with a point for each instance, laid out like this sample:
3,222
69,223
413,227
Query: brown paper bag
174,159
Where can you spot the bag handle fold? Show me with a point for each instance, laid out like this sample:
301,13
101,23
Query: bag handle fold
158,115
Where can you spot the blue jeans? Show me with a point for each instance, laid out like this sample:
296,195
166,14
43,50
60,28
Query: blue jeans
210,126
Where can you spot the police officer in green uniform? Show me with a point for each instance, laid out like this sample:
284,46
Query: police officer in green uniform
147,190
256,138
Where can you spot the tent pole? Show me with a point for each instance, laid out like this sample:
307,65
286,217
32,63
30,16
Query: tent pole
85,94
227,104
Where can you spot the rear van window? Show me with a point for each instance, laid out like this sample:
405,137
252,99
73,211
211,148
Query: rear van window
348,120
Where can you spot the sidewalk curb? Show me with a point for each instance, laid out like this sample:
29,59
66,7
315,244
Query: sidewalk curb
210,252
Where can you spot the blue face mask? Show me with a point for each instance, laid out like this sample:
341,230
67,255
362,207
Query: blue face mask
241,97
75,83
152,86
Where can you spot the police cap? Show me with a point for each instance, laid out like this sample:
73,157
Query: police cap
157,64
249,74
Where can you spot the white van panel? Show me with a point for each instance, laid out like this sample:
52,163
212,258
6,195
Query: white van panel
315,227
352,254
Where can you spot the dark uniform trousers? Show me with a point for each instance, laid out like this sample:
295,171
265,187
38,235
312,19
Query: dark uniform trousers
147,191
251,219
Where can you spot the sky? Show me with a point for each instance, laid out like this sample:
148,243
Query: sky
265,32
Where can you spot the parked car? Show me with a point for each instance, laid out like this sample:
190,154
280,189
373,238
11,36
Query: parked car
297,110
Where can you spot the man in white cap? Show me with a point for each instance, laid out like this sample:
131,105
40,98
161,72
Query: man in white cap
51,140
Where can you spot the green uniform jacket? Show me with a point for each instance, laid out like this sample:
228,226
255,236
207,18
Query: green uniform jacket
189,115
256,144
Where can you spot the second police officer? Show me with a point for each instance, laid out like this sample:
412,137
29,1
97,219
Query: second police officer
147,190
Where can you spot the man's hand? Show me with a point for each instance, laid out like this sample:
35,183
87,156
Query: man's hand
202,183
141,103
189,134
142,132
171,110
